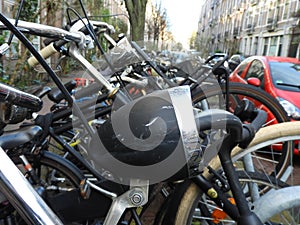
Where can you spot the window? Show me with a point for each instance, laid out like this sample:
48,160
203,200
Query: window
242,66
255,44
293,7
256,69
264,17
273,46
8,8
294,47
285,12
280,12
279,45
285,75
266,43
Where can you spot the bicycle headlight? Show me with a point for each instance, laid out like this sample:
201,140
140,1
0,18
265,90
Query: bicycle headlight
292,110
152,138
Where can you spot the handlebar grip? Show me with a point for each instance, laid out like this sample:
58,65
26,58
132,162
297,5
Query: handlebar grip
20,98
259,120
249,130
45,53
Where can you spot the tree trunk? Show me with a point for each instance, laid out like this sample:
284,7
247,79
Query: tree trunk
136,10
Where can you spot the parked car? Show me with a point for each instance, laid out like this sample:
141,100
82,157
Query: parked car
279,76
213,58
179,57
235,60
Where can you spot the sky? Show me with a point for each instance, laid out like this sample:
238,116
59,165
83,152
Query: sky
183,16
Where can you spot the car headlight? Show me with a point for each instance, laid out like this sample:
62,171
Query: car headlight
291,109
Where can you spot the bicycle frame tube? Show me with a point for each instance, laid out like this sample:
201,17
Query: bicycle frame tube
22,195
44,30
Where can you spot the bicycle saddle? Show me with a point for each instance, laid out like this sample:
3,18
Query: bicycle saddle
15,138
56,95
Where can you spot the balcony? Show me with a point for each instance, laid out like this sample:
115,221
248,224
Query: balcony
295,13
270,20
271,24
250,28
254,2
236,31
271,27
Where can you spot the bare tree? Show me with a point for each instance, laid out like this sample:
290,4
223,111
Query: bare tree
163,24
160,22
157,24
137,13
150,23
193,41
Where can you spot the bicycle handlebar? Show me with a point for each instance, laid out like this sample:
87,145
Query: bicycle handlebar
78,29
44,30
20,98
221,119
249,130
80,25
216,55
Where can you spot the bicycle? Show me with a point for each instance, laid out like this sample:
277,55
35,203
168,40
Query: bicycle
212,96
112,219
67,171
266,136
279,159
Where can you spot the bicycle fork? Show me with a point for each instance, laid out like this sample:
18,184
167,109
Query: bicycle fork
238,210
247,217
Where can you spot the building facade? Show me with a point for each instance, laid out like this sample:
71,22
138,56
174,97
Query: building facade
250,27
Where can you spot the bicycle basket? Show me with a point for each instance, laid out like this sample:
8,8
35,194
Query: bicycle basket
117,58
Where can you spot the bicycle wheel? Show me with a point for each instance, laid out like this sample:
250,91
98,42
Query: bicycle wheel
190,206
276,158
59,184
285,210
266,137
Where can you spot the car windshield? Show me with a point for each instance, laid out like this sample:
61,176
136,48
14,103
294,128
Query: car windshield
286,75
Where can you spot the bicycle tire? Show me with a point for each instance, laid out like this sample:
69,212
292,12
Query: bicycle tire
286,207
186,198
48,166
287,131
54,161
268,103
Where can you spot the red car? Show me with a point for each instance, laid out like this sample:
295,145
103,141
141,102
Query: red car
279,76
